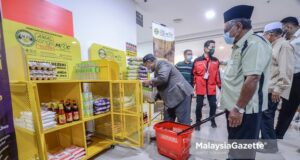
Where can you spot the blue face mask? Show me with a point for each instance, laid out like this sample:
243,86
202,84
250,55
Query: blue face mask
228,39
189,58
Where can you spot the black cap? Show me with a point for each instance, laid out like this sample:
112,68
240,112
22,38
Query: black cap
292,20
241,11
148,57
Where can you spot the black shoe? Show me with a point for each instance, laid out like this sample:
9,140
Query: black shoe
268,150
213,125
197,128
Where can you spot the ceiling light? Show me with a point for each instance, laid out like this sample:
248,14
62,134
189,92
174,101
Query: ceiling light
221,47
177,20
210,14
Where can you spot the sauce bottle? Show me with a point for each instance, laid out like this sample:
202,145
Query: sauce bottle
61,114
68,111
75,111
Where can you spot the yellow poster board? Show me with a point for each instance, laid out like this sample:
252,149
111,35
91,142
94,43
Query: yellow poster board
32,44
131,50
98,51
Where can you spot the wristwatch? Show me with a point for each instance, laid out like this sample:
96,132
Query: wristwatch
240,110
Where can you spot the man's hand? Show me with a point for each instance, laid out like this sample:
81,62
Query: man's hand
147,83
235,118
275,97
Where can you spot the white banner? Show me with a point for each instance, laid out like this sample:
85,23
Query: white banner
163,42
162,32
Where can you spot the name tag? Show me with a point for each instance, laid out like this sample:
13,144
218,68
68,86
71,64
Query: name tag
206,75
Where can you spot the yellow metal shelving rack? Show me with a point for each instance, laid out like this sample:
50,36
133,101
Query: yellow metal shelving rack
123,124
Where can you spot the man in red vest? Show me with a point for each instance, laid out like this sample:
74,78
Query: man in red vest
206,77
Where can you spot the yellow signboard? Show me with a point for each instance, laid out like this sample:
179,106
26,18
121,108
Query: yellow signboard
131,54
97,51
40,47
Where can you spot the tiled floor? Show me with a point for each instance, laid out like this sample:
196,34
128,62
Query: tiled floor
287,148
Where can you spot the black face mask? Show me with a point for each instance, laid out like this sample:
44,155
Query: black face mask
211,52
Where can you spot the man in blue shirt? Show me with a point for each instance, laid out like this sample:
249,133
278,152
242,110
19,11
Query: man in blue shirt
185,67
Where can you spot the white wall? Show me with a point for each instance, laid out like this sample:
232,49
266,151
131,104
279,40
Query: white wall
107,22
144,48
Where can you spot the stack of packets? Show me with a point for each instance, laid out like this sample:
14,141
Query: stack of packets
136,70
42,71
87,103
89,136
148,93
143,73
48,119
101,105
26,120
105,128
129,101
70,153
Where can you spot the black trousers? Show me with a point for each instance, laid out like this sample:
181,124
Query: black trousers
288,108
247,132
212,100
267,121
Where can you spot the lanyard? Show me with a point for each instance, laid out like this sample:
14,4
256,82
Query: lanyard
208,65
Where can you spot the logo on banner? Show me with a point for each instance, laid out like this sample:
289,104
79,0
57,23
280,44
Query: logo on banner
102,53
164,34
163,42
25,38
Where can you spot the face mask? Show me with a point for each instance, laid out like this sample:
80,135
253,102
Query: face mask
189,58
211,51
228,39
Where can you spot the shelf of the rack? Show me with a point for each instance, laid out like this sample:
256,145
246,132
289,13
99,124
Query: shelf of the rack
59,127
97,146
24,130
97,116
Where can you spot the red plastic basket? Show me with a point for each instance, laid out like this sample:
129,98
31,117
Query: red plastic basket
171,145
